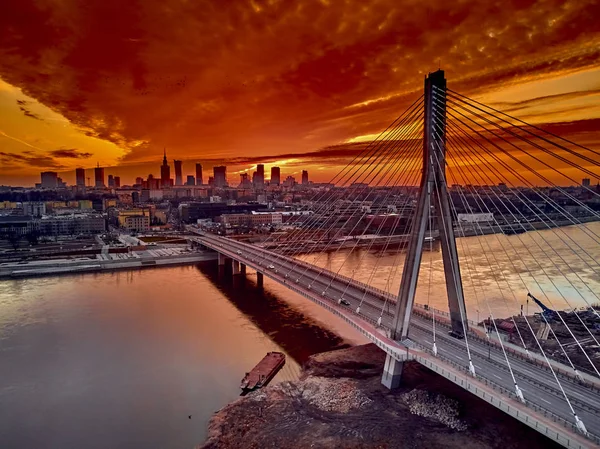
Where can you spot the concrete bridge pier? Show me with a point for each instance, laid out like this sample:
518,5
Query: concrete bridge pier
235,267
259,279
222,259
392,372
242,268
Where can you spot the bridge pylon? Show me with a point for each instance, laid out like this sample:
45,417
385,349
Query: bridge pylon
433,196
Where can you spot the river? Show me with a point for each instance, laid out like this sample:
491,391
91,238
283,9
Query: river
120,360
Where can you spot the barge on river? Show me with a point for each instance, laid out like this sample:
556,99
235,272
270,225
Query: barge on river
263,372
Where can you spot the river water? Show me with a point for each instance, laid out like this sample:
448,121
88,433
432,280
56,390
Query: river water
561,267
120,360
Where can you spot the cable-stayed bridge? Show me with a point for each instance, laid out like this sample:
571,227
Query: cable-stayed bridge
446,158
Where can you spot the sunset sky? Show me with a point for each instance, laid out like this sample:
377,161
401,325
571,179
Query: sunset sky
288,83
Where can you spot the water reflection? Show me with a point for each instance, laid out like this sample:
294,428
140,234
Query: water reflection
299,335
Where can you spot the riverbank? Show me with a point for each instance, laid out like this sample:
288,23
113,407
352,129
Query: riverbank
105,262
340,402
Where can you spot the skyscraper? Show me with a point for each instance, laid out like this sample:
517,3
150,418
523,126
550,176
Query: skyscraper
220,176
190,180
49,179
111,181
586,182
259,180
117,182
165,172
178,175
275,176
304,177
80,177
198,174
99,176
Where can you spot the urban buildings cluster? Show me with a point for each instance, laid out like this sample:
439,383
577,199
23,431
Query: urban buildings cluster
219,179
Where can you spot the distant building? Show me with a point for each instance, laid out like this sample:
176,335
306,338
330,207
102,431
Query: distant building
139,181
165,172
585,182
275,176
72,224
244,181
111,182
191,212
251,220
304,177
199,174
80,177
191,181
178,173
99,177
258,179
211,181
117,182
49,180
34,208
220,176
290,181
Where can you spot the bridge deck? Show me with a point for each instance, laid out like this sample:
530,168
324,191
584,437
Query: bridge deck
537,382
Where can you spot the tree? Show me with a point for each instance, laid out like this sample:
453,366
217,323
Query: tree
33,237
13,238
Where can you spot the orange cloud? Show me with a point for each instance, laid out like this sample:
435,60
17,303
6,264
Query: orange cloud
211,80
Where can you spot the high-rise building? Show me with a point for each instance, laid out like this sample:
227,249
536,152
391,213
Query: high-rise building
220,176
165,172
259,178
275,176
49,179
99,176
80,177
139,181
199,174
117,182
304,177
211,181
190,180
178,175
111,182
585,182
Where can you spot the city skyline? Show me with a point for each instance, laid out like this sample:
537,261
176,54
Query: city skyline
310,106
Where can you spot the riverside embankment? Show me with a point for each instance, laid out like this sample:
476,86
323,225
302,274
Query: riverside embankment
339,402
105,262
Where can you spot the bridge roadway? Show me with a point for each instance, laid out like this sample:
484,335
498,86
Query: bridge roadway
536,381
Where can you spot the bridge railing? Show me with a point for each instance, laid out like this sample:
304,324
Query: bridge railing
511,394
427,312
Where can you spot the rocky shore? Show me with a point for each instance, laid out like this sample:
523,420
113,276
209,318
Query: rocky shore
339,403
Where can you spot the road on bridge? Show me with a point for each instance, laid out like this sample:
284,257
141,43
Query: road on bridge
536,382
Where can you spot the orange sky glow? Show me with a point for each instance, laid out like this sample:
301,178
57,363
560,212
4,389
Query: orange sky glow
298,84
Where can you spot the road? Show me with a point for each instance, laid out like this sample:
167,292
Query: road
538,384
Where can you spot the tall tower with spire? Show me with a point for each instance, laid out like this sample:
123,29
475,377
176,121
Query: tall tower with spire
165,172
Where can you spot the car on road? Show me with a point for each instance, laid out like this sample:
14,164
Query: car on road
344,302
271,267
238,252
456,335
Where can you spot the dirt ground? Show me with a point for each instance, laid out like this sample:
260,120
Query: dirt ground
339,402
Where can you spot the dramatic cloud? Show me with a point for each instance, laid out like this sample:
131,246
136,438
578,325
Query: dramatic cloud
71,153
22,107
276,79
30,159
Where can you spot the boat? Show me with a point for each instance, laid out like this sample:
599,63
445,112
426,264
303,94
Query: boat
263,372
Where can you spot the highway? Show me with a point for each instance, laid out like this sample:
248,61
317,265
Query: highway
538,384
